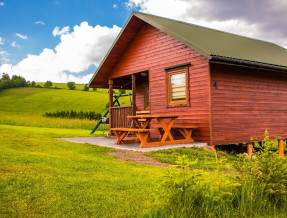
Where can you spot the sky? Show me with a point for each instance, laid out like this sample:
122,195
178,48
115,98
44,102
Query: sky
66,40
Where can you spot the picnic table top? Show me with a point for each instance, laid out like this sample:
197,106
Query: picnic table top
154,116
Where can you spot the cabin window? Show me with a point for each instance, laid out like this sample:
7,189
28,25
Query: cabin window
177,86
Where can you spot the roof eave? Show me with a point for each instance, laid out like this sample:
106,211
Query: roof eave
233,61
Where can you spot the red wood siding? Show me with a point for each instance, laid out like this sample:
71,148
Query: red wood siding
153,50
246,102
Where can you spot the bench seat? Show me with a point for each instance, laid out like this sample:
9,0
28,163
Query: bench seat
142,135
185,131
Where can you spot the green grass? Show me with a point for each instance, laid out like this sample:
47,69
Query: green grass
206,159
43,176
25,106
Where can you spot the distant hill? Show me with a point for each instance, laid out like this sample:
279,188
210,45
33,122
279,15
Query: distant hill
25,106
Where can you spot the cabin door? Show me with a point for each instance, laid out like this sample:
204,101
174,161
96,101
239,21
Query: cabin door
143,91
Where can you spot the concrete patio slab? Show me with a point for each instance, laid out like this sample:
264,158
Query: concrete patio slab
110,142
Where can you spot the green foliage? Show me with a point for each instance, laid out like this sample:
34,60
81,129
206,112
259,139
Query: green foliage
266,170
86,88
189,192
107,105
257,189
94,89
14,82
91,115
71,85
33,84
48,84
122,91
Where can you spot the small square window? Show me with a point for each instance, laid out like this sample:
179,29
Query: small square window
177,86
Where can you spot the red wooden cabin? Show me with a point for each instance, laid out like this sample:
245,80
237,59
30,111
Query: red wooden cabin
232,87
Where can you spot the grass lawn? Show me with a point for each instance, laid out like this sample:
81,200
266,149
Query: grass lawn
25,106
206,160
43,176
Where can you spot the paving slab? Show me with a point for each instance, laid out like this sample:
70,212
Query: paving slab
110,142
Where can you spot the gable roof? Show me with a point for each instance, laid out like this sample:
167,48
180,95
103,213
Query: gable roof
208,42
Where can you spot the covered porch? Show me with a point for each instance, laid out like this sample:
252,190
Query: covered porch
138,83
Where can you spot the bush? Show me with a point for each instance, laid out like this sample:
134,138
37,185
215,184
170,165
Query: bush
91,115
94,89
258,189
48,84
122,91
86,88
268,171
71,85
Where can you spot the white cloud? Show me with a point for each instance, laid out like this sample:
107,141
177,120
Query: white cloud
202,12
58,32
13,44
40,22
75,53
4,57
21,36
1,3
1,41
115,6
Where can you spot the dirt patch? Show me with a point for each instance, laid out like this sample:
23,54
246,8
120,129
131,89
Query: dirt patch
136,157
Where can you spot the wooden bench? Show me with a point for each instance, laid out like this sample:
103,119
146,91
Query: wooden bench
142,135
185,131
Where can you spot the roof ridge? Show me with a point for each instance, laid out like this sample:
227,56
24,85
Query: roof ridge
204,27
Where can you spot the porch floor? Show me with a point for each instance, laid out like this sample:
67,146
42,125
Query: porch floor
110,142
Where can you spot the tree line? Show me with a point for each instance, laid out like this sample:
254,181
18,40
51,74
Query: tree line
16,81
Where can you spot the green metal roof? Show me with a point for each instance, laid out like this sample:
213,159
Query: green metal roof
210,42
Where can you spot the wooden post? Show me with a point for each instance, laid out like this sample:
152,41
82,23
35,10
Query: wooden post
281,148
134,94
111,99
212,147
241,147
249,149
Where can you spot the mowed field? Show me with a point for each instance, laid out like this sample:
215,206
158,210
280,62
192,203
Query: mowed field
41,175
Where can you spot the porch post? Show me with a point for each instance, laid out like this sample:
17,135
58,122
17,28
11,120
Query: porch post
111,98
134,94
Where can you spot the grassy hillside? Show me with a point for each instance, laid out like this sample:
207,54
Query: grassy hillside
25,106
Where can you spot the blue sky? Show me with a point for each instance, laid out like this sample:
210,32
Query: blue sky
65,40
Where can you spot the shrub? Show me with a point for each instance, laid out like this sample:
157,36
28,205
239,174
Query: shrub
71,85
258,189
267,171
122,91
94,89
91,115
86,88
48,84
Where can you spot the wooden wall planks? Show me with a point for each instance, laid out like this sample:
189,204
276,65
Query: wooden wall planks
246,103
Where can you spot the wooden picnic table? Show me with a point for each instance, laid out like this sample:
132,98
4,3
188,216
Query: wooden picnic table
143,132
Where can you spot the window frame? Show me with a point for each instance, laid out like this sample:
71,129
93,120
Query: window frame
172,71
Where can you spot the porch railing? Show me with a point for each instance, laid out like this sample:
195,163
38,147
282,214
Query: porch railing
119,117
